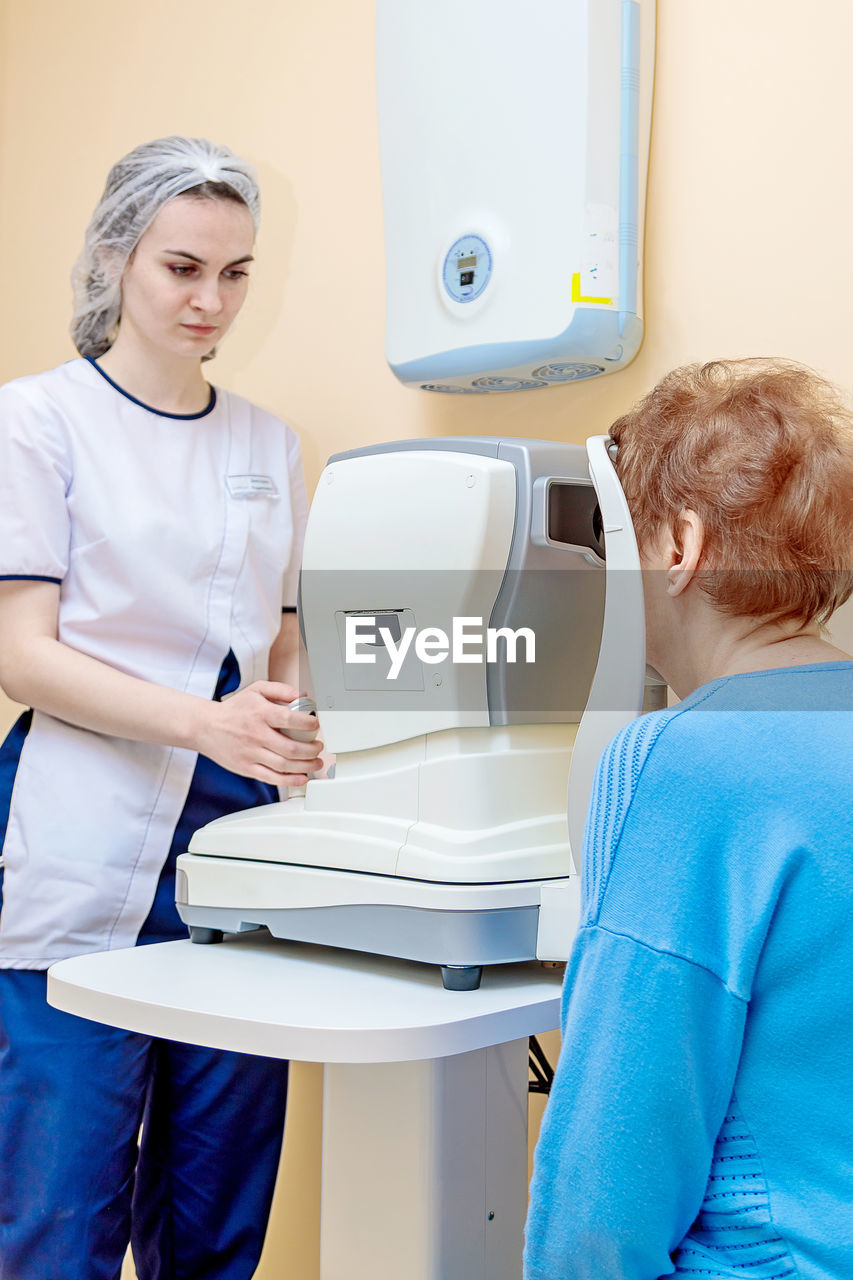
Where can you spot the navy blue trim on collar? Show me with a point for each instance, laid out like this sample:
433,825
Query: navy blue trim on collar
28,577
161,413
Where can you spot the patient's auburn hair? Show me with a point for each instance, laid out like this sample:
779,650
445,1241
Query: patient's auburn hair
762,451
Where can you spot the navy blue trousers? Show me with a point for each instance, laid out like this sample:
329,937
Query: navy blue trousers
77,1182
193,1198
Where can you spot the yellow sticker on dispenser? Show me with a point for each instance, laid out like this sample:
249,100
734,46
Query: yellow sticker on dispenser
577,296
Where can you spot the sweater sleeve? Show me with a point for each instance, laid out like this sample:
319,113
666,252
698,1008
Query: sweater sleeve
651,1044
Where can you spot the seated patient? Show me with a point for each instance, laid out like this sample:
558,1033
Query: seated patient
701,1118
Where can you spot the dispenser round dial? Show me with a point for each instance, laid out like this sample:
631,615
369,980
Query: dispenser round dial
467,268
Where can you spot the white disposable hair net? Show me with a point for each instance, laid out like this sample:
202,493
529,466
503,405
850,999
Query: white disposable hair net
137,188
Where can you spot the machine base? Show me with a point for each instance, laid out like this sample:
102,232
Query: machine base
461,942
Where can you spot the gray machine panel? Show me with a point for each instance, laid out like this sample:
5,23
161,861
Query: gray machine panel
556,589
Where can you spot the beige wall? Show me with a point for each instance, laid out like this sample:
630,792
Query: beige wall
747,247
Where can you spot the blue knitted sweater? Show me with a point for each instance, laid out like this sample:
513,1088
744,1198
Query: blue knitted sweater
701,1119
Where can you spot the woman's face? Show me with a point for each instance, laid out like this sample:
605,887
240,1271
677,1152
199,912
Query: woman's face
187,277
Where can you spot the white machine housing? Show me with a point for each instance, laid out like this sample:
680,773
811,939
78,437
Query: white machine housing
443,835
514,148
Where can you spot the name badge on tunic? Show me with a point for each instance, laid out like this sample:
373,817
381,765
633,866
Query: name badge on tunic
251,486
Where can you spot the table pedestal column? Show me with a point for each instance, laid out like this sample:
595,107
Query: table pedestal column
425,1167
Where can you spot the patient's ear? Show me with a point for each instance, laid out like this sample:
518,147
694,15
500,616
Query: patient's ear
688,539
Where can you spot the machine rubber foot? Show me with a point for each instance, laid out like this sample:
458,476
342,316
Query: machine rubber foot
200,933
461,977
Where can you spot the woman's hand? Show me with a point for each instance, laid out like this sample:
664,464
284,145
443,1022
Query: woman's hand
244,733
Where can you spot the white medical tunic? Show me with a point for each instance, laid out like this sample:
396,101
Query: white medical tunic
174,538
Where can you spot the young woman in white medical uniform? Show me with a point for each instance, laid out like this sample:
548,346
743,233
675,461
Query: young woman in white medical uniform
150,532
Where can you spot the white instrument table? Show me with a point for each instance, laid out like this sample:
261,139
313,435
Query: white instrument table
424,1093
